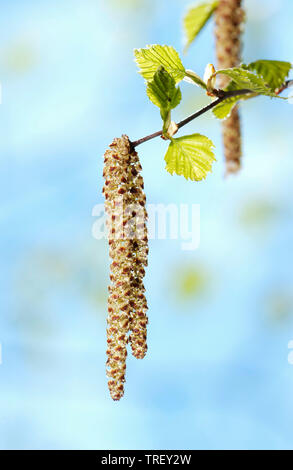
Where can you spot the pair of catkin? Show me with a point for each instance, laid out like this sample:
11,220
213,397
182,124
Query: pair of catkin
128,247
229,18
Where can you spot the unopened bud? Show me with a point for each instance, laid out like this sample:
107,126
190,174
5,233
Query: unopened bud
209,78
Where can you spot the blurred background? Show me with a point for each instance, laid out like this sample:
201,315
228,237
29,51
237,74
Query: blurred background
216,375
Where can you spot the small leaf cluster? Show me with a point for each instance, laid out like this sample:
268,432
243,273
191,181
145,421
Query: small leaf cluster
192,155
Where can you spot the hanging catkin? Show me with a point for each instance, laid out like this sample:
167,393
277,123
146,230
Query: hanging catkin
128,245
229,18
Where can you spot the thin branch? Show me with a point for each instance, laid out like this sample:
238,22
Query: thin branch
222,95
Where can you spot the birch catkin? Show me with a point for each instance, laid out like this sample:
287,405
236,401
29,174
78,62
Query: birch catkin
229,18
128,245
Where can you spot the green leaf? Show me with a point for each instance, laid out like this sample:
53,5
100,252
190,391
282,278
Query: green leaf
274,72
163,93
245,79
195,79
224,109
196,18
149,59
242,78
162,90
191,156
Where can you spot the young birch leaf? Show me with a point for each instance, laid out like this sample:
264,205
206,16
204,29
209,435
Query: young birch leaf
274,72
196,18
223,110
162,90
163,93
191,156
245,79
192,77
149,59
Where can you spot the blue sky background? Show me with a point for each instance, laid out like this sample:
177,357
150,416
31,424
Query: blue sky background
216,375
